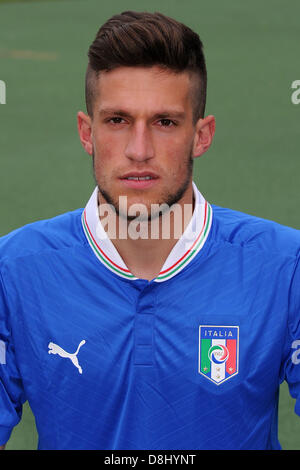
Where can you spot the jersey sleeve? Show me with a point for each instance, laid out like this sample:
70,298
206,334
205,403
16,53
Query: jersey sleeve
291,365
12,394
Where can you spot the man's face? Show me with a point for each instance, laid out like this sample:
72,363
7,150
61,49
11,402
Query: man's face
142,136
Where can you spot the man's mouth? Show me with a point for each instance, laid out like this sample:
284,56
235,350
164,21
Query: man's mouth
139,180
145,175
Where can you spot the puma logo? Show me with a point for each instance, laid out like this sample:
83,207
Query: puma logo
55,349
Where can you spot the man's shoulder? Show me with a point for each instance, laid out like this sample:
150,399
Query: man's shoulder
245,230
55,233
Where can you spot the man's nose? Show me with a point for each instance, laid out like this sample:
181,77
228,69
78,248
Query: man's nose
139,146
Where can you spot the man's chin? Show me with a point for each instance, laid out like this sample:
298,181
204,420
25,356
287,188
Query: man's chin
141,208
146,205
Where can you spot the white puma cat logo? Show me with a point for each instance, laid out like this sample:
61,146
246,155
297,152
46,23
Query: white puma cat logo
55,349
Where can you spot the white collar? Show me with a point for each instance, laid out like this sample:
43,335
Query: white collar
185,249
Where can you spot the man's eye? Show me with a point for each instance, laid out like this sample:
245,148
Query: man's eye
116,120
167,123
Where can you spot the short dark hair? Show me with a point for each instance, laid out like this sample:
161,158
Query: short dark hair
147,39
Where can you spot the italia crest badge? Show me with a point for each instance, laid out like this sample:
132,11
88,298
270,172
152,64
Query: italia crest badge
218,352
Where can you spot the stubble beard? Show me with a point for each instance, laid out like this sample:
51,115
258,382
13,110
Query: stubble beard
167,200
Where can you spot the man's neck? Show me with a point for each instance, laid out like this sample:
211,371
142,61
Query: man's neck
145,256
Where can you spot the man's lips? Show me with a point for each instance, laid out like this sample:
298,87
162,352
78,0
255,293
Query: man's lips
140,175
139,180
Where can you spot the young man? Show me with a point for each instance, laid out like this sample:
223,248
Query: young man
170,331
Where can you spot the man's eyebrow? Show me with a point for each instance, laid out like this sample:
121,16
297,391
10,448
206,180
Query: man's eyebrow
119,112
160,115
167,114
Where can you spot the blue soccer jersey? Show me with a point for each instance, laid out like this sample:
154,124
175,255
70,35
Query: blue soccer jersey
192,359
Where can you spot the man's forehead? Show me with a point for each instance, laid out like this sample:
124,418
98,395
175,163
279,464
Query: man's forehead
141,79
170,89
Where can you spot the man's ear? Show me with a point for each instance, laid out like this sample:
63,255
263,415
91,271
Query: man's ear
84,125
205,130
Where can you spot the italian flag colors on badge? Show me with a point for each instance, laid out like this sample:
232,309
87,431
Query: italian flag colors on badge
218,352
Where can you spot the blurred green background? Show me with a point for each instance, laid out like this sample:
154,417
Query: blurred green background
253,165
